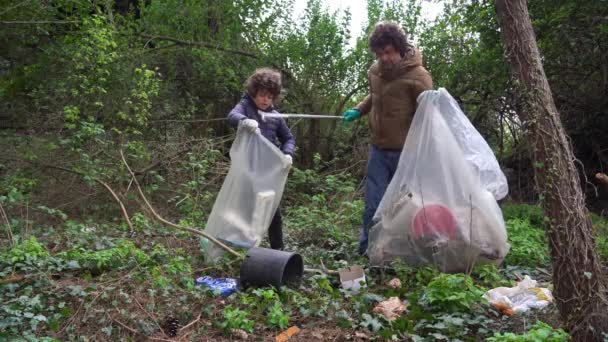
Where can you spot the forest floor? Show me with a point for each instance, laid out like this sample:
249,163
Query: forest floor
82,281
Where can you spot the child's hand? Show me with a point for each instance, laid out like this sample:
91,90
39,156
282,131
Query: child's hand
250,124
288,161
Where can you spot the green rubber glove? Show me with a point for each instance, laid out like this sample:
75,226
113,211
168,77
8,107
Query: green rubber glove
351,115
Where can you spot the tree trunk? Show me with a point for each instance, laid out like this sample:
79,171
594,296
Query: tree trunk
579,286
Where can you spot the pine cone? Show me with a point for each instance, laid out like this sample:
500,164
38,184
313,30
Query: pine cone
170,326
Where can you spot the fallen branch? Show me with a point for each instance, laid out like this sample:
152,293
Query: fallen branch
190,324
171,224
151,317
138,333
125,214
12,279
194,231
318,270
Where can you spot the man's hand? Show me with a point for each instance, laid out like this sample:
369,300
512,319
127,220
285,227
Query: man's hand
249,124
351,115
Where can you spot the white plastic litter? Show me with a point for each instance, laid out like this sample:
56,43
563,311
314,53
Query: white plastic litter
521,298
440,207
250,194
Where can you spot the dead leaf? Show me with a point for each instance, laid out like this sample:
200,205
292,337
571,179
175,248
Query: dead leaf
390,308
361,335
318,335
287,334
503,308
395,283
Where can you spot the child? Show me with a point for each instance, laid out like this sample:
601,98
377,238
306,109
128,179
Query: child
262,89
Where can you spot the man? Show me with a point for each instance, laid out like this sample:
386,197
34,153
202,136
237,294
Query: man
396,79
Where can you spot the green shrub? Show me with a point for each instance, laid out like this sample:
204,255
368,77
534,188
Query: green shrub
539,332
529,246
123,254
531,213
29,249
235,318
489,275
451,293
601,230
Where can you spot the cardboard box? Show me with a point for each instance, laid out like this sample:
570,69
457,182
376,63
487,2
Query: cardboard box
352,278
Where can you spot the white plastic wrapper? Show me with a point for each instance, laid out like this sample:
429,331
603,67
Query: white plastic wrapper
250,195
521,298
440,207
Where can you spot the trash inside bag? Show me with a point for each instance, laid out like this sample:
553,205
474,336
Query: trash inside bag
521,298
440,207
249,196
225,286
475,149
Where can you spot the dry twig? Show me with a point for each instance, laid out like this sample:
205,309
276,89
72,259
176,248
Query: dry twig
9,231
171,224
138,333
100,182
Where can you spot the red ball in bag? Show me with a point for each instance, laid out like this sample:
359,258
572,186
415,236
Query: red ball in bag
434,220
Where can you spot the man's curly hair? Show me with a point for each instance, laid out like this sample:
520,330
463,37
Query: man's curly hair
264,79
389,33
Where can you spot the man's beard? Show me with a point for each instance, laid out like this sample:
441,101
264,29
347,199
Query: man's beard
389,67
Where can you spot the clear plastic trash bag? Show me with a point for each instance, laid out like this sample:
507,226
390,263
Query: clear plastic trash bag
440,207
250,194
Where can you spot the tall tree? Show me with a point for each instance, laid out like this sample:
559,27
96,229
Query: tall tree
580,289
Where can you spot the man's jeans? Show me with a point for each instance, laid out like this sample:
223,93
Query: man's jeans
381,167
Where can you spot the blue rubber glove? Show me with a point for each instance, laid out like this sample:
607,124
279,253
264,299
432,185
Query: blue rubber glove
351,115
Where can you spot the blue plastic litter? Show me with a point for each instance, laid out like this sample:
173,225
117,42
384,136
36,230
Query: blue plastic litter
225,286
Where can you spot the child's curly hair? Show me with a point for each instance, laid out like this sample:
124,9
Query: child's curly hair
389,33
264,79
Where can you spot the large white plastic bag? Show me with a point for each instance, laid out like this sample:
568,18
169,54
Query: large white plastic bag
436,210
250,194
476,150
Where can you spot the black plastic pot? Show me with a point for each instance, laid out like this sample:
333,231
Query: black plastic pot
269,267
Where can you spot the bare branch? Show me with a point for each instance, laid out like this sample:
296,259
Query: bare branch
188,121
161,219
9,231
97,180
137,332
105,185
200,44
13,7
12,279
54,22
191,323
